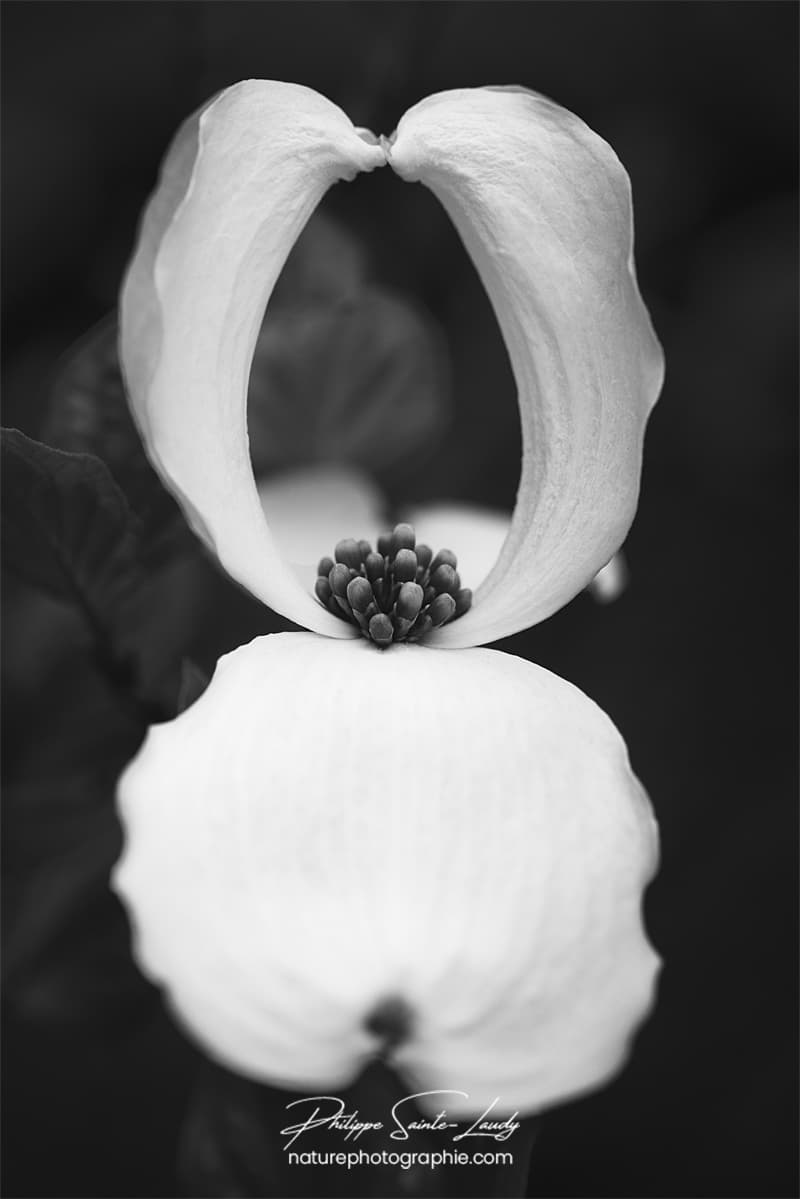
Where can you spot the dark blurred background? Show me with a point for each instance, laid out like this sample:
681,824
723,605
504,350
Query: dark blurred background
695,662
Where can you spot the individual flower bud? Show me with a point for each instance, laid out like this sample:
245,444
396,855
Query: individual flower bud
442,609
409,601
323,591
359,594
403,538
444,578
405,566
463,601
348,552
374,566
380,630
339,578
443,558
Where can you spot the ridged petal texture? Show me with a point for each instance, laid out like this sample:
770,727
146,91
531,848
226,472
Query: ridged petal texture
480,534
543,207
329,827
237,186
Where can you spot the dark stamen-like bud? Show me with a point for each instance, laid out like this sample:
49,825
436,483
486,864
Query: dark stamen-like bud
381,630
339,578
359,594
444,579
443,558
403,538
405,566
442,608
463,601
323,590
409,601
397,594
349,553
373,565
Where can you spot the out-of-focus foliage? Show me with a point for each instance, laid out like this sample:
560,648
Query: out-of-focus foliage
67,529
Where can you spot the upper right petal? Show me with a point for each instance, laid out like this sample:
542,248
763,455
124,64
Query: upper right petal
543,207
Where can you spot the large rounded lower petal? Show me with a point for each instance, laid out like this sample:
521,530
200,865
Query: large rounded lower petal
543,206
330,827
238,185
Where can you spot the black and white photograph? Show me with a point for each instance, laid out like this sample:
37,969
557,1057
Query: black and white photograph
399,599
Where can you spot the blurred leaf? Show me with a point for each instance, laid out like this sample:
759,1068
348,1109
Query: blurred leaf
361,381
326,261
63,709
88,414
93,652
67,527
71,548
68,530
65,935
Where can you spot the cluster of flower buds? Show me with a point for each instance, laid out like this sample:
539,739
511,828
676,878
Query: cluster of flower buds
398,593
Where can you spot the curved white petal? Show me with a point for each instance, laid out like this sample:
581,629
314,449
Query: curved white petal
478,535
237,187
329,827
544,209
310,509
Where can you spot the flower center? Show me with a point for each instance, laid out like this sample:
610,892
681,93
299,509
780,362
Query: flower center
399,592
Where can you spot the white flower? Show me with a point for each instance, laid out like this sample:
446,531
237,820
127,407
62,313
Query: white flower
339,851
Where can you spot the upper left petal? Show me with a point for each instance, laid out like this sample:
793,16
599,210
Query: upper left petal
238,184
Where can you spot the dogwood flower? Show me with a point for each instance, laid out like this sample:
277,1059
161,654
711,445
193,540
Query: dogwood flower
433,851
